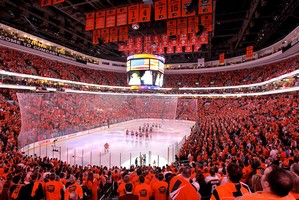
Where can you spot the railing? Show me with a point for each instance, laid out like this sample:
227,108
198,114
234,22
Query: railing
101,156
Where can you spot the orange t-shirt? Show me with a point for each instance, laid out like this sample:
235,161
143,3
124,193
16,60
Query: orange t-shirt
116,177
181,189
76,188
121,189
160,190
53,189
144,191
226,191
93,186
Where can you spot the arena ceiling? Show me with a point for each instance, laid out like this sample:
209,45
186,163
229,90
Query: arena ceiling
236,25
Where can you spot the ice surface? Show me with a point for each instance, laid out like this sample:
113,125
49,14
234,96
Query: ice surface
159,148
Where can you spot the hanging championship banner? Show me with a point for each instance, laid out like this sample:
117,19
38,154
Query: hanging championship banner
121,17
174,9
105,35
160,10
133,14
156,39
221,58
173,43
165,40
145,12
193,39
178,49
96,34
138,43
147,49
183,39
182,26
205,9
160,50
57,1
110,18
44,3
204,38
130,45
113,37
197,47
89,24
123,34
185,4
171,27
100,19
188,48
170,49
147,41
207,22
193,24
249,52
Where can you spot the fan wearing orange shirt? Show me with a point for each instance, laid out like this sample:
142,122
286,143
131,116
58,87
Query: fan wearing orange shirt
180,187
73,191
121,188
233,188
160,188
93,185
53,188
143,190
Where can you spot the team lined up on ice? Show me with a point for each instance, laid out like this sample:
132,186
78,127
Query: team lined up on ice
144,130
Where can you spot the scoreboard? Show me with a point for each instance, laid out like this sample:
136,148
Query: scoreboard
145,70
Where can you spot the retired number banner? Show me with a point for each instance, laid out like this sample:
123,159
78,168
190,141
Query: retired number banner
174,8
110,18
100,19
144,13
122,15
89,24
133,14
160,10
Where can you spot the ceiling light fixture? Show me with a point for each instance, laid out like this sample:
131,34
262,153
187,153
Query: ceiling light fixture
135,26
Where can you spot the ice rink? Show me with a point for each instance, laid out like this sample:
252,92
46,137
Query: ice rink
157,149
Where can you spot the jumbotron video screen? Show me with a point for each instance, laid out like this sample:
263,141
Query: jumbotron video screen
145,70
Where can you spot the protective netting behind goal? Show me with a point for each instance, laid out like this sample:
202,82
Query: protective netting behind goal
49,115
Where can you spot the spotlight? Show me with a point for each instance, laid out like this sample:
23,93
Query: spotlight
135,26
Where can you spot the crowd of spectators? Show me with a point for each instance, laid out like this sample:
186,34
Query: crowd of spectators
28,40
14,61
10,121
19,62
33,177
229,78
245,134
